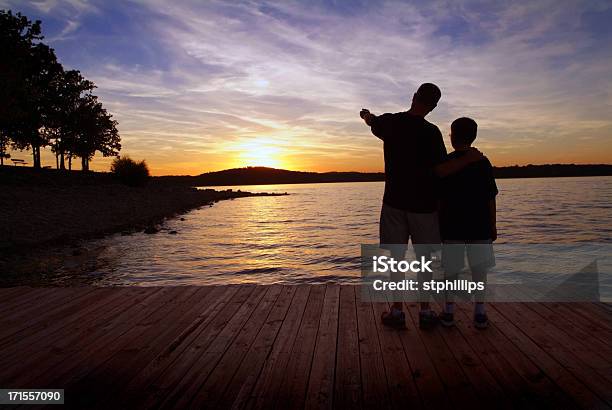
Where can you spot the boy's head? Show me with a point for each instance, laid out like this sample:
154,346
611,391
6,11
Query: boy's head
463,132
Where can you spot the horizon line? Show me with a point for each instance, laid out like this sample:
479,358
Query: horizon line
368,172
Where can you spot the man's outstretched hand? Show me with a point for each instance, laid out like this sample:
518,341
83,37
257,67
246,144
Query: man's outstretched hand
366,115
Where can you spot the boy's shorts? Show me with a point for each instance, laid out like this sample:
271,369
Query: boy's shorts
398,226
479,254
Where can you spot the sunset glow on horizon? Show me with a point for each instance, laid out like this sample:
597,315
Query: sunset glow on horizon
205,86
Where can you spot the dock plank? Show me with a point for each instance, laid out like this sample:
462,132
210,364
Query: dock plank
484,384
586,337
58,303
247,374
373,377
347,386
579,392
296,346
321,383
527,386
430,387
292,393
53,346
138,346
17,294
216,383
152,382
594,313
403,392
93,351
569,316
263,394
583,364
456,384
187,384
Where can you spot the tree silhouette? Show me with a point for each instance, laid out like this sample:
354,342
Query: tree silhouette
71,88
95,130
28,72
4,141
42,104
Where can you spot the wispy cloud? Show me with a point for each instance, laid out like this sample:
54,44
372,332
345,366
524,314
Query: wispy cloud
193,83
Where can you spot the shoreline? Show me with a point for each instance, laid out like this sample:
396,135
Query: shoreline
50,262
46,216
273,176
382,180
140,209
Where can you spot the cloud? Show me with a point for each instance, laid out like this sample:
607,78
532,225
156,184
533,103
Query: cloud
535,75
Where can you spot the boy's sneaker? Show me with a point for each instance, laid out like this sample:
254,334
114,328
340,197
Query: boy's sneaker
481,321
427,319
447,319
394,318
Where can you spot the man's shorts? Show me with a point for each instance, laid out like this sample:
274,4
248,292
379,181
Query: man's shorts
479,254
398,226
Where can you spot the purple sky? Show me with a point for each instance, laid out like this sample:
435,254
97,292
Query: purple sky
207,85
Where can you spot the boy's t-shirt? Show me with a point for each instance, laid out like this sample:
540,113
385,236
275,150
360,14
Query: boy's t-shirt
465,212
412,147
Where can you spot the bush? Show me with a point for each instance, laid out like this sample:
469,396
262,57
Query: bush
130,172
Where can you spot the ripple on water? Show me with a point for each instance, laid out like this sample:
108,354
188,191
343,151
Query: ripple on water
314,234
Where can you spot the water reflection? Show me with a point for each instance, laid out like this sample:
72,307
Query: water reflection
314,235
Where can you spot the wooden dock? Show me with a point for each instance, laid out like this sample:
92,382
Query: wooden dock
303,346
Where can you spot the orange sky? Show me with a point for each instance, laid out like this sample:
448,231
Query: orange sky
205,86
366,161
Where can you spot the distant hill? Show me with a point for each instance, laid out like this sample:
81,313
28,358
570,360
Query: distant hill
265,176
553,170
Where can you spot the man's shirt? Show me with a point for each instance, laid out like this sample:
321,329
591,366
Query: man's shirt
412,147
465,213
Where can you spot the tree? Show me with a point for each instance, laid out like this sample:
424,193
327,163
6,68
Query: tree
4,141
70,89
42,104
95,130
17,36
130,172
28,70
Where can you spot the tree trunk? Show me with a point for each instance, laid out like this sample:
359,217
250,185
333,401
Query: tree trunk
70,163
34,161
62,163
85,164
36,156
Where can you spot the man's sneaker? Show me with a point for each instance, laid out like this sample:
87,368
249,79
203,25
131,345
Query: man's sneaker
481,321
447,319
395,319
427,319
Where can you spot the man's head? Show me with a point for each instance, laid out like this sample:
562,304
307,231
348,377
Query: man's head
426,98
463,132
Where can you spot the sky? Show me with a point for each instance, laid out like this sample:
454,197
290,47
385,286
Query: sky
200,86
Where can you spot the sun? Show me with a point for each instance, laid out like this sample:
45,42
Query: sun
260,153
262,157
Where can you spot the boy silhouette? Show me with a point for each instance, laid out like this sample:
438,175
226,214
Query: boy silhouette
467,220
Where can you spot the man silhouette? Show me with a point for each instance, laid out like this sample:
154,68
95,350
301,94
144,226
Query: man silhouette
415,156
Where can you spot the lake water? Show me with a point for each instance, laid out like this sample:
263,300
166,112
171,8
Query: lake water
314,234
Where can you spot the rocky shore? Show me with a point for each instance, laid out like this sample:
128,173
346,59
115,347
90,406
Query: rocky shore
51,208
